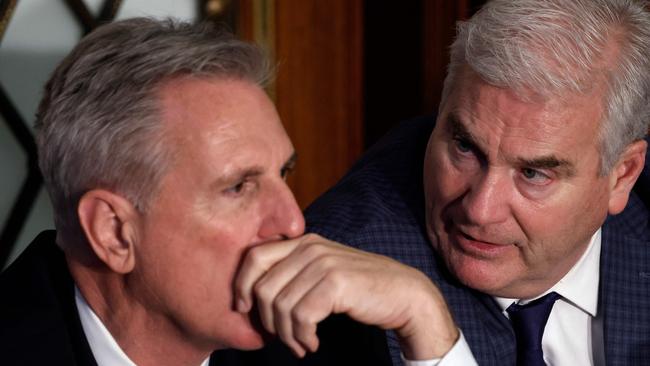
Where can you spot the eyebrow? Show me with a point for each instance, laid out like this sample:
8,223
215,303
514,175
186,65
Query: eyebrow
549,162
290,163
237,175
250,172
457,128
565,167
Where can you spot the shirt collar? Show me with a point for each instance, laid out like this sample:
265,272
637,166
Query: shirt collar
104,347
102,344
579,286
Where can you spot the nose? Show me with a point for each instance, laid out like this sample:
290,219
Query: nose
283,217
487,199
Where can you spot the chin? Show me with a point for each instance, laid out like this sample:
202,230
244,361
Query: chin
479,284
478,275
249,342
249,335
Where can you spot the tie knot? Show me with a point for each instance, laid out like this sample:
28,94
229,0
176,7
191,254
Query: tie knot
528,322
535,307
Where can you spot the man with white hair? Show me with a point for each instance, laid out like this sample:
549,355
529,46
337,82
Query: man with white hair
526,199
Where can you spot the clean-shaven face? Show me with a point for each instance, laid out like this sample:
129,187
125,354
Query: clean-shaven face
224,192
513,191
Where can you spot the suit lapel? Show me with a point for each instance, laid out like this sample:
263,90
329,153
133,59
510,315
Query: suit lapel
624,295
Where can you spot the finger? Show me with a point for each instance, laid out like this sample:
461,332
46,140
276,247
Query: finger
312,308
257,261
325,278
295,347
284,306
280,275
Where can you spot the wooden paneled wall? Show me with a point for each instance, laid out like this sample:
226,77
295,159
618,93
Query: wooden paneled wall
437,37
319,88
348,70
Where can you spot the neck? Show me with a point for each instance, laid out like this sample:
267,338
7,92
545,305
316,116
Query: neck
145,335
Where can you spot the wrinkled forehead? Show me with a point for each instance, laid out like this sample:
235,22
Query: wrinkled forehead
490,111
468,85
594,88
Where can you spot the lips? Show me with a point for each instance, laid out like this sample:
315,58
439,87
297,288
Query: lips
477,246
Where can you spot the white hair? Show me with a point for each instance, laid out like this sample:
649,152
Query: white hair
551,47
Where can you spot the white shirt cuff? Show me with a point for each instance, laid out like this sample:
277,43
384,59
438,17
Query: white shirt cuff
459,354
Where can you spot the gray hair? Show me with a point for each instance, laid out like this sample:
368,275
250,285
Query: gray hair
98,124
550,47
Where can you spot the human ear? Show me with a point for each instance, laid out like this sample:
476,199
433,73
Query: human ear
109,223
624,175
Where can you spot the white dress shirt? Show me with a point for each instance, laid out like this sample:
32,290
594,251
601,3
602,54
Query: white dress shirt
574,332
459,354
104,347
108,353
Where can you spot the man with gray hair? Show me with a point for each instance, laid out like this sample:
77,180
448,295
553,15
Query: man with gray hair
526,200
176,232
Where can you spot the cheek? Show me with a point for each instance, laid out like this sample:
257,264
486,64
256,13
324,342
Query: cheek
446,182
559,227
199,256
587,211
215,256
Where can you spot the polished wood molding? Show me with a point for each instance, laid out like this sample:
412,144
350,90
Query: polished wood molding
319,49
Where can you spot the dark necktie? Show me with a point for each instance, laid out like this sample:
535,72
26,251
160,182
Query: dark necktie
528,322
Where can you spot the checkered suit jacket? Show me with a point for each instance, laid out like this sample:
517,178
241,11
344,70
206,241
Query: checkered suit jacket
378,207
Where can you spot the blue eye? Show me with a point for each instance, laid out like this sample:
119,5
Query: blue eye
529,173
462,145
535,176
236,189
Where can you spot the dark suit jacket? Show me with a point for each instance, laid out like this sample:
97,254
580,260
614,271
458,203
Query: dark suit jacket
378,207
39,323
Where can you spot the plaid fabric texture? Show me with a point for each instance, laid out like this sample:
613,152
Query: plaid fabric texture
378,207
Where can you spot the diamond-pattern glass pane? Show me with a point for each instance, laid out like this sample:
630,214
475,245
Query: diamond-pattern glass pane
13,162
31,47
39,34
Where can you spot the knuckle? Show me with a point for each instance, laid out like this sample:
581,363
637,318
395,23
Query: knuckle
336,280
255,256
262,292
312,237
300,317
282,304
328,263
313,250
